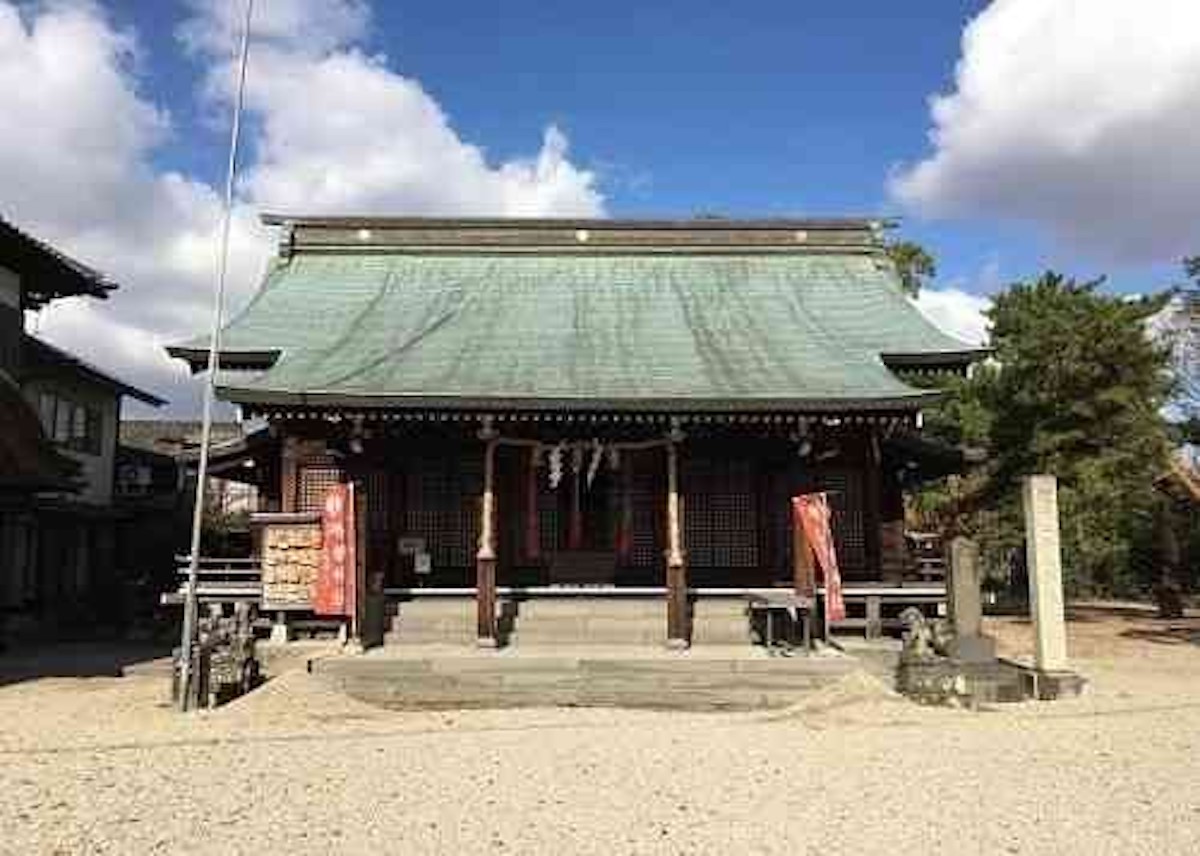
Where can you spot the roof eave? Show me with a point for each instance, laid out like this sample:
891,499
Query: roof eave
57,274
197,358
68,360
825,405
936,359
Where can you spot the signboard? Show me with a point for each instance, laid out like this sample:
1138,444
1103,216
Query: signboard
810,512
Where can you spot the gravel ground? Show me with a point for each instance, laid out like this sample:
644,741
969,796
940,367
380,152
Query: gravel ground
102,765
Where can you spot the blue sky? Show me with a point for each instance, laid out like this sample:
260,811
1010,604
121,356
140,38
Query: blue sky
1010,136
788,109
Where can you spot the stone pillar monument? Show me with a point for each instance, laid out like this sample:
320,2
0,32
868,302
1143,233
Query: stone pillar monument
966,609
1043,557
1052,677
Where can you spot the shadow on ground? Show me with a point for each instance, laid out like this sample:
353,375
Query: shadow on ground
1170,633
82,660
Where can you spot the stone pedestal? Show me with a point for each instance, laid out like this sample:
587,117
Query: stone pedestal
1044,561
279,629
966,610
940,680
1048,686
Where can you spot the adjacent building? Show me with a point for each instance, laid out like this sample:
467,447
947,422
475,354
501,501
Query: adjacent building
58,447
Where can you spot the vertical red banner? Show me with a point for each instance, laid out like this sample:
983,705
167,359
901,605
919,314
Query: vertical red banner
335,586
811,512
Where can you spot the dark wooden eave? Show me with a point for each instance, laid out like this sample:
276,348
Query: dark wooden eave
47,273
42,355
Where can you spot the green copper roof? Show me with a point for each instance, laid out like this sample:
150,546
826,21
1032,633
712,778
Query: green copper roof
634,330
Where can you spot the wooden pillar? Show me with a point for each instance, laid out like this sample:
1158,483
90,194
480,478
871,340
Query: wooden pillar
677,593
289,474
485,559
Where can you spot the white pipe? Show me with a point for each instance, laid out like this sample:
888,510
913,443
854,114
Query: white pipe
190,603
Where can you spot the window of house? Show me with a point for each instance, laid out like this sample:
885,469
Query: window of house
71,424
62,421
46,412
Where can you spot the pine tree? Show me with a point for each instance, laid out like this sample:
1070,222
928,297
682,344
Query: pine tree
1079,394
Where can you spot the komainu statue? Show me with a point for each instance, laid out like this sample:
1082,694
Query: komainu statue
924,639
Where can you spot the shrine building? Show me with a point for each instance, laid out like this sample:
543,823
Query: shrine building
541,408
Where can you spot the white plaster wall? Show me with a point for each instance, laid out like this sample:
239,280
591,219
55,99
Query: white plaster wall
96,471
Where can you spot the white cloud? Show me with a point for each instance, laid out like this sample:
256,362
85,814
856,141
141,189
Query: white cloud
315,27
336,130
1078,116
957,312
75,170
341,132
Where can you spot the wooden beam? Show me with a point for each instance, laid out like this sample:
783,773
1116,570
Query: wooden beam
289,475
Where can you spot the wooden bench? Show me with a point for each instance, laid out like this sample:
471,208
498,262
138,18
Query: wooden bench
798,610
874,597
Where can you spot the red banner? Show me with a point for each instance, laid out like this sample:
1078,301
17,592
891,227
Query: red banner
335,585
811,512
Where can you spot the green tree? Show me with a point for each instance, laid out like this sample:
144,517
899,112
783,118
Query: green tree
913,263
1079,394
1191,267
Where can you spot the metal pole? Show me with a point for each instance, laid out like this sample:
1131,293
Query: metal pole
191,606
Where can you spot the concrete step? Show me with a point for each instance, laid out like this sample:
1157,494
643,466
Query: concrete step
433,620
590,621
498,680
720,621
570,620
573,606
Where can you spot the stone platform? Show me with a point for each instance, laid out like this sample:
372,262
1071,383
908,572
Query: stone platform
709,678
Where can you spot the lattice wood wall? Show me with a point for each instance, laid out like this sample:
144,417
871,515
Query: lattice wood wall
444,508
648,497
316,474
846,500
720,513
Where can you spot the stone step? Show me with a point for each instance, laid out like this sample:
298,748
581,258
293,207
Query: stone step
433,620
499,681
570,620
582,605
720,621
590,621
